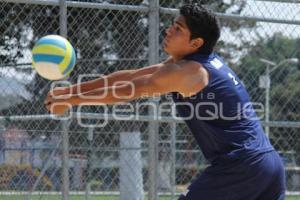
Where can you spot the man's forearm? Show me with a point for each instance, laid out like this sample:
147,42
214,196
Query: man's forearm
104,81
111,79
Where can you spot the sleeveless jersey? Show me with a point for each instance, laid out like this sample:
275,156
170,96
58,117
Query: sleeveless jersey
221,116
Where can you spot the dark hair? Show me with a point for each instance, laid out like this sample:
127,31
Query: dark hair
202,23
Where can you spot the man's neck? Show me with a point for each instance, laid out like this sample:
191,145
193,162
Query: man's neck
177,58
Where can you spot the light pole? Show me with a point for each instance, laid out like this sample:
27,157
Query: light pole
265,82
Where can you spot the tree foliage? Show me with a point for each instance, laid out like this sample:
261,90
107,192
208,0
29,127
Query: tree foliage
285,81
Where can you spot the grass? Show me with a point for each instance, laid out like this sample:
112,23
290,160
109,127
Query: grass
16,197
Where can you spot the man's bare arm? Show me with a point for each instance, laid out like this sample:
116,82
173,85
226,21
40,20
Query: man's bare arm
185,78
122,75
106,80
169,78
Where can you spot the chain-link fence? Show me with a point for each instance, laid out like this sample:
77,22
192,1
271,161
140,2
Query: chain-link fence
41,157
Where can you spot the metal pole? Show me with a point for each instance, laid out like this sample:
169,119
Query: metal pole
89,163
137,118
131,167
173,11
63,18
2,147
267,101
153,126
65,124
78,4
173,156
65,160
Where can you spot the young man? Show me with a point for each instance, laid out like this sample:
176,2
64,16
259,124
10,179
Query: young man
244,165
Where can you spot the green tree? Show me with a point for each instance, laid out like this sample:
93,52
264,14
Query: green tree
285,81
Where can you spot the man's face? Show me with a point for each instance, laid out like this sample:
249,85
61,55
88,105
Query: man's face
177,39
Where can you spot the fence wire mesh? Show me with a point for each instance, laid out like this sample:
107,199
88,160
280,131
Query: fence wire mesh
107,40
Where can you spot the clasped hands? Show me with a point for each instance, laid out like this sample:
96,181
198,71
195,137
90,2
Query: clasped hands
58,101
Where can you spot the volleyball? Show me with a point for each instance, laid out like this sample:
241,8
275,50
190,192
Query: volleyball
53,57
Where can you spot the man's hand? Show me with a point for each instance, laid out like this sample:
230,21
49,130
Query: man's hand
58,109
57,102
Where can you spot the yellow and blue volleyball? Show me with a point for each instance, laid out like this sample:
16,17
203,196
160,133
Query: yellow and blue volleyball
53,57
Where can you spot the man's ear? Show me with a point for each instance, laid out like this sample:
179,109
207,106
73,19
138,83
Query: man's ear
197,43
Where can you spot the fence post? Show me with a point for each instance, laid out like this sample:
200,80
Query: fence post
173,156
63,18
131,166
2,147
65,160
65,124
89,164
153,126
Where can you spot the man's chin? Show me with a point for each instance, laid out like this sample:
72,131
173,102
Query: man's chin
165,49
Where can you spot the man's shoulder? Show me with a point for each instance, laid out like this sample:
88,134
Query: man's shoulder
192,68
189,64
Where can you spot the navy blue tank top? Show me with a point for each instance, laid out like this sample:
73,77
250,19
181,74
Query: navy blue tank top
221,116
